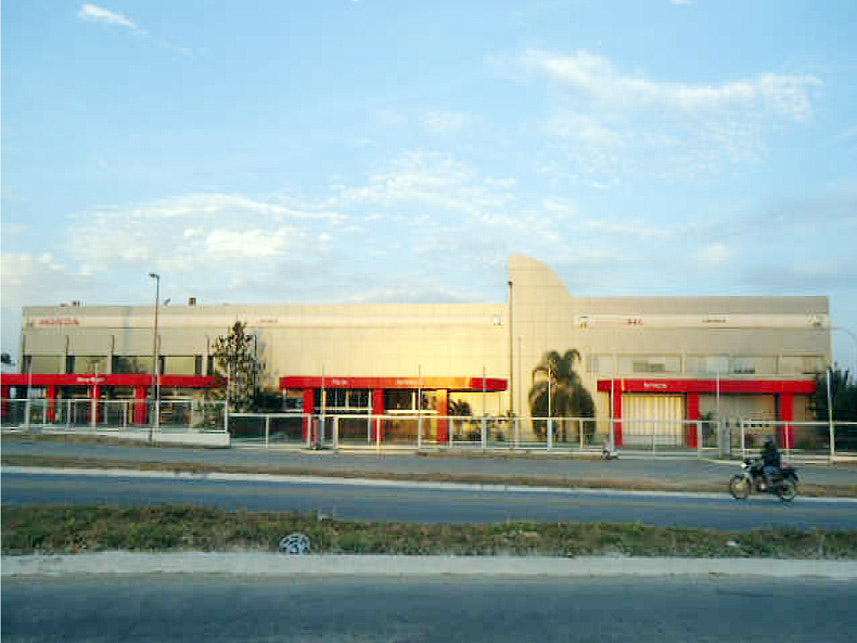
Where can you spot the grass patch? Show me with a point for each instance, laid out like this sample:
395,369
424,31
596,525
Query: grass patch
70,529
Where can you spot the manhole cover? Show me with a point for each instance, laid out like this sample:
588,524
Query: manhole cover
295,544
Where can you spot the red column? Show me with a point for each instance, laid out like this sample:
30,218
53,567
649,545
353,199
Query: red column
787,415
94,410
5,392
692,414
52,403
378,409
141,410
617,413
95,394
309,409
442,397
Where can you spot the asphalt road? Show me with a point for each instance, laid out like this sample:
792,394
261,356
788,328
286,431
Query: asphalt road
676,472
224,608
416,503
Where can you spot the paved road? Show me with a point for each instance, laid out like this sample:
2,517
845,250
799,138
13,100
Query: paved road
418,503
679,472
219,608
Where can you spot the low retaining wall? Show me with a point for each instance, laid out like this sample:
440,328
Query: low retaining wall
211,440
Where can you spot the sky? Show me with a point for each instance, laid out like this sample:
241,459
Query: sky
397,151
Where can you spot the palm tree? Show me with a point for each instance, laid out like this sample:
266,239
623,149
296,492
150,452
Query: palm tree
556,383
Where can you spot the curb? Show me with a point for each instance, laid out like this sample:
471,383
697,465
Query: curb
273,565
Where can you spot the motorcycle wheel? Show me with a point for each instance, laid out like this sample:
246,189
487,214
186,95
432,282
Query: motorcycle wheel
787,490
739,487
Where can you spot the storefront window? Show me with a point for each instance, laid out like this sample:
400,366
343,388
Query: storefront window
650,364
130,364
600,364
707,364
753,365
87,364
801,364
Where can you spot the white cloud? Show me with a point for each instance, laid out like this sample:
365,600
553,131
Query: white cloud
847,135
200,237
715,254
445,122
597,78
431,179
94,13
681,3
603,123
224,244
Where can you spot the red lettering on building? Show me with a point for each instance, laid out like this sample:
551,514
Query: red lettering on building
58,321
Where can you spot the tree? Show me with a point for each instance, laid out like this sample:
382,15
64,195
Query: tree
459,409
568,397
236,361
843,397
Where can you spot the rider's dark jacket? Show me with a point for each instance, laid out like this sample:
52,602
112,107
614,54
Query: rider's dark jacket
771,456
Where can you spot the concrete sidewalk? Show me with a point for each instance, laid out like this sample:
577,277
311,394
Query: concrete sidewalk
272,565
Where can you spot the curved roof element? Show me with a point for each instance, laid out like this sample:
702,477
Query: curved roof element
529,275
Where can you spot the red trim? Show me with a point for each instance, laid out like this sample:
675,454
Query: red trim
135,379
141,408
617,414
378,409
693,414
787,415
476,384
794,387
309,409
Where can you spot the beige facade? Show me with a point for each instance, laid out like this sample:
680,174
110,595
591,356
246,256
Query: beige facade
630,337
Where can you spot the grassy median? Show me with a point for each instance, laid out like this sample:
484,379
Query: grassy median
55,530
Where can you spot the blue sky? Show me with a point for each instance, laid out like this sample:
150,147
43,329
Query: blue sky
365,151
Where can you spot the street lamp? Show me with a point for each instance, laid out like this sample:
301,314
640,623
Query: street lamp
511,357
155,361
853,337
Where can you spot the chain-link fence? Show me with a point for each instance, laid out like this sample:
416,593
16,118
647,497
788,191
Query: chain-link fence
414,431
796,439
79,414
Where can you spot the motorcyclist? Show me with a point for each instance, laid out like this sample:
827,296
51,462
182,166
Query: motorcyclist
771,461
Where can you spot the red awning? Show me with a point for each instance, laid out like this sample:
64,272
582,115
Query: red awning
132,379
476,384
644,385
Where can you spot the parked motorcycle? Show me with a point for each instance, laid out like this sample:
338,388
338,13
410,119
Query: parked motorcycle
752,479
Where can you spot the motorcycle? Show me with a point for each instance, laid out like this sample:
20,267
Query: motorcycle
752,479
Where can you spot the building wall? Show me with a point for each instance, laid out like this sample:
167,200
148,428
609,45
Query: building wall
780,336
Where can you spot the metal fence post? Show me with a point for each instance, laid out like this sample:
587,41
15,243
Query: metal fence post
743,442
267,429
699,438
226,417
484,432
654,434
550,433
335,433
419,430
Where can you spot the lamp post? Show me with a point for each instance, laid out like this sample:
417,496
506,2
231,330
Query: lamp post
853,337
155,361
511,358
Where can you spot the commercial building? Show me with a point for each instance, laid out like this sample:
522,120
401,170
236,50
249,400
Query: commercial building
665,359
